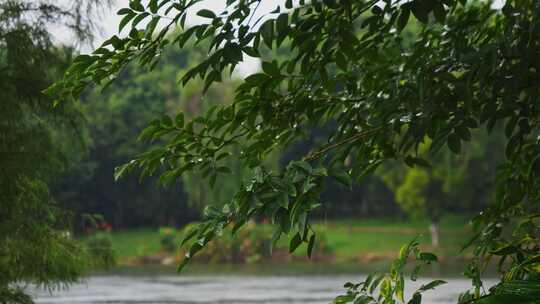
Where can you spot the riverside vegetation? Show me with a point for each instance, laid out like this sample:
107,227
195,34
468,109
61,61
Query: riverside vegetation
339,241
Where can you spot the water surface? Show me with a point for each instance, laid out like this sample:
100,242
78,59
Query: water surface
223,289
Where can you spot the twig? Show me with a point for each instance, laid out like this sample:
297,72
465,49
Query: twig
253,13
351,139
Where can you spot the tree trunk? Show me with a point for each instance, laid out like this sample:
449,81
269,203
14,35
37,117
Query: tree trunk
434,230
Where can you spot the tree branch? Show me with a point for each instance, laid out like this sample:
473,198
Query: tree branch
323,151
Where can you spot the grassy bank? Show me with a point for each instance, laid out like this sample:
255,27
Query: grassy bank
348,240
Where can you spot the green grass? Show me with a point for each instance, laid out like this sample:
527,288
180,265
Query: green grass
353,238
131,243
349,239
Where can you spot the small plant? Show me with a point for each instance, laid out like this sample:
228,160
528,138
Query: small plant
100,250
168,239
389,287
99,242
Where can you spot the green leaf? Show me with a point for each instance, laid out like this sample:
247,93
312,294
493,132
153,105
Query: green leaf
212,180
153,6
416,299
376,10
403,17
420,10
205,13
282,24
288,4
152,26
125,21
305,166
343,299
267,32
375,283
184,37
311,244
124,11
463,133
412,161
251,52
341,61
439,12
179,120
454,143
427,257
521,290
431,285
284,200
120,171
275,237
182,264
136,5
139,18
189,235
255,80
271,68
342,177
295,242
400,288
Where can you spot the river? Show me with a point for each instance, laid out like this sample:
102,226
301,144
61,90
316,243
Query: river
223,289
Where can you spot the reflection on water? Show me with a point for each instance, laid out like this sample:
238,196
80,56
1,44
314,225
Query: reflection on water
236,289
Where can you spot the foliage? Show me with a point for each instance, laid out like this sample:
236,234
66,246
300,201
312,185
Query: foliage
470,66
348,241
447,182
410,194
112,118
168,239
35,242
251,244
386,288
116,115
101,250
33,249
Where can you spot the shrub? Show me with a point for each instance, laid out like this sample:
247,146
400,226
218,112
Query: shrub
168,239
250,245
100,250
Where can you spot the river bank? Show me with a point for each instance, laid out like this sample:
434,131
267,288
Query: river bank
344,241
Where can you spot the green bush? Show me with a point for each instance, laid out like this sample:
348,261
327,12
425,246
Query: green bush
101,250
251,244
167,239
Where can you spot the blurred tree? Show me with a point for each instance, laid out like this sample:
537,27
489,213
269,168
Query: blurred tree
119,113
35,242
447,183
112,117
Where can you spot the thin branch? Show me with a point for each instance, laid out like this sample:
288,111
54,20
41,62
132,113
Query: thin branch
323,151
253,13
